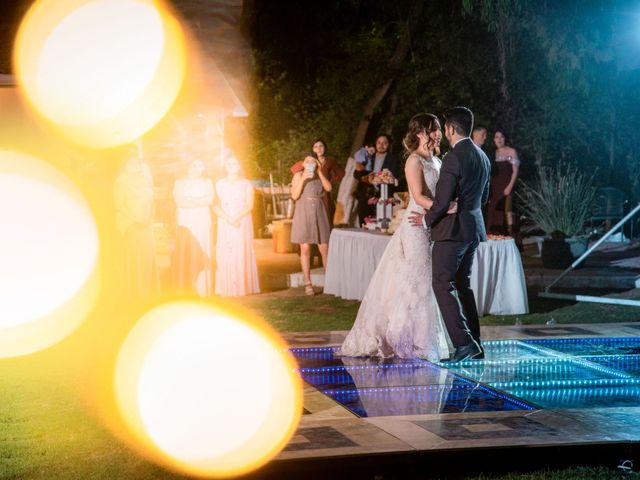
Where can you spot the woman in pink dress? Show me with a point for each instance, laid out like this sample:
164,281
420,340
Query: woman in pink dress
236,270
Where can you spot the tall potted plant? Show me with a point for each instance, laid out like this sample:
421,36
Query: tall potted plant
559,202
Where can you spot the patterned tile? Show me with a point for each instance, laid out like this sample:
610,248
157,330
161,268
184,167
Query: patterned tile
610,423
314,438
330,437
319,405
486,428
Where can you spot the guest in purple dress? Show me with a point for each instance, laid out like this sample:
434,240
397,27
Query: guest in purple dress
500,212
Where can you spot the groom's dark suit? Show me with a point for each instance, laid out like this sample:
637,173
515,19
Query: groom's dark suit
464,175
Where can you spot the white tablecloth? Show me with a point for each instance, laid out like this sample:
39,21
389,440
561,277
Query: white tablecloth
497,278
354,255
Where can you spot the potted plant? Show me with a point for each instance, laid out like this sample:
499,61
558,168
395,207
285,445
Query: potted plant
559,202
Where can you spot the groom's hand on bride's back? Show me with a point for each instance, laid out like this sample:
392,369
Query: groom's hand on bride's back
416,218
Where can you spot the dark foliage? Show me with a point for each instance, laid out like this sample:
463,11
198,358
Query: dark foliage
568,96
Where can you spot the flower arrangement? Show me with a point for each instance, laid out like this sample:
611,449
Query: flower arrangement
377,200
385,176
491,236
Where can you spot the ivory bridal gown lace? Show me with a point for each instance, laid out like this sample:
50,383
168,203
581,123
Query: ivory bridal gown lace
399,315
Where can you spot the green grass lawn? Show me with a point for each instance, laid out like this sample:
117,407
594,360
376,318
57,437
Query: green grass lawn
292,311
578,473
49,427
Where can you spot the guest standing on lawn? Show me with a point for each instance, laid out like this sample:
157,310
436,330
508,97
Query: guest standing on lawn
236,269
500,212
192,261
310,219
331,170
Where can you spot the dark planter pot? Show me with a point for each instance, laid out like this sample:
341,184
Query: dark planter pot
561,253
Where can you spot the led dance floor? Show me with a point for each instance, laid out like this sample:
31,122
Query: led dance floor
515,375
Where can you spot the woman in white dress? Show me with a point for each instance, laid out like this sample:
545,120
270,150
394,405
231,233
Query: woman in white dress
236,270
399,315
192,262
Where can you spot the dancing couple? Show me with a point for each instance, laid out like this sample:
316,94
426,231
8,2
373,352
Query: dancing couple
419,302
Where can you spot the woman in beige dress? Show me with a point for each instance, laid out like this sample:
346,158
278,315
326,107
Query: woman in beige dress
310,219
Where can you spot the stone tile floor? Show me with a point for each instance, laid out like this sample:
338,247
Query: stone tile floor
539,386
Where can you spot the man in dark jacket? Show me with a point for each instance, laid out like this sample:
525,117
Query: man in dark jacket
365,190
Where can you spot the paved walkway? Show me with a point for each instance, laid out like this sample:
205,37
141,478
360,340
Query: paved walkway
274,268
613,266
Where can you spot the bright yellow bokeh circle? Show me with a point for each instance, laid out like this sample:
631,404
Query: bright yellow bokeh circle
104,72
207,390
48,255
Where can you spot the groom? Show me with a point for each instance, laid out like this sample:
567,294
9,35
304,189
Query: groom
464,177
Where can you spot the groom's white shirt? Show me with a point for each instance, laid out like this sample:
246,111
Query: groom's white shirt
452,147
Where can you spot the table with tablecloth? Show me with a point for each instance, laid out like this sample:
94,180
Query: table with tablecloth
497,278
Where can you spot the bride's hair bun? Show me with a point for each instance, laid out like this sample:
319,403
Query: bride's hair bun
422,122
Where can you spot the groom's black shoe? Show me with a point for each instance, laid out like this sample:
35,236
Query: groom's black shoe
466,352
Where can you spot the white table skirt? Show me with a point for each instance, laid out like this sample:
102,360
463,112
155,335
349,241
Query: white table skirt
497,278
353,257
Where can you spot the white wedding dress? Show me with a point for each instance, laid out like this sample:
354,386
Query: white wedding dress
399,314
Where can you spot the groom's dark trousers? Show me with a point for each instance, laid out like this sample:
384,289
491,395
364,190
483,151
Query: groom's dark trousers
464,177
451,265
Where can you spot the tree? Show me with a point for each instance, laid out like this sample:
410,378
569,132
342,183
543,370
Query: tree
394,69
503,18
558,73
375,65
543,71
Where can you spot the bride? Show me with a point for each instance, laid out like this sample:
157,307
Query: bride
399,314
